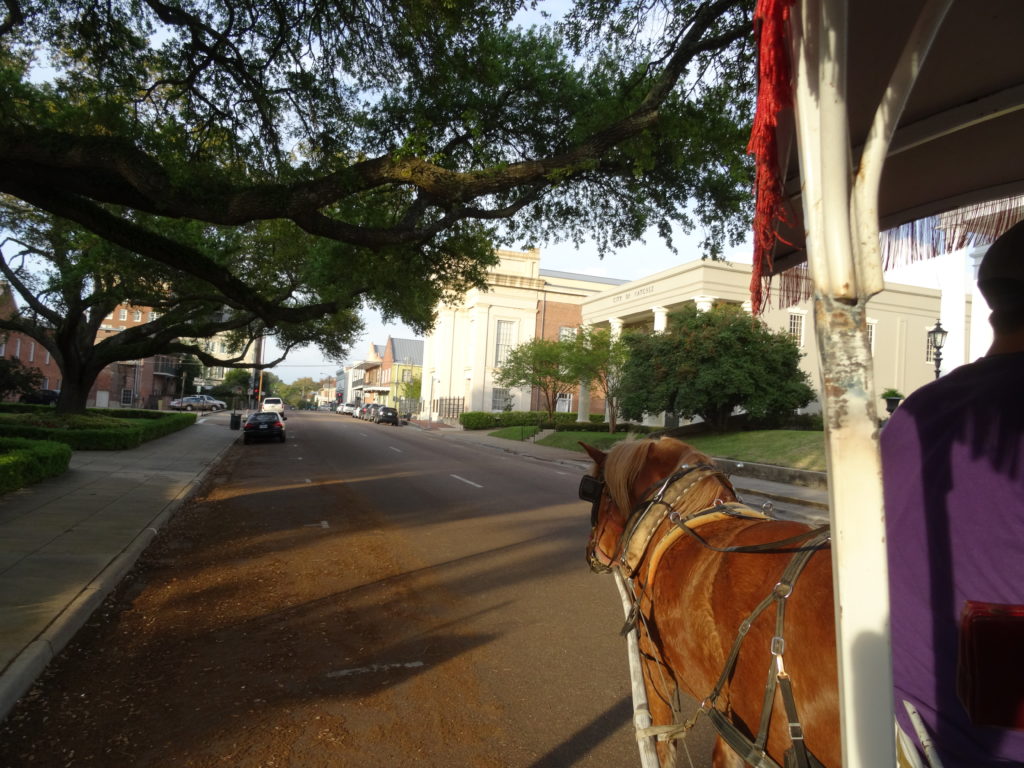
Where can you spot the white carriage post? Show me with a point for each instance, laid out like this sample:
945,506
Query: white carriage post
840,208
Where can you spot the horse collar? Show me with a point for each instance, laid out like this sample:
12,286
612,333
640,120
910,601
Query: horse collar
648,515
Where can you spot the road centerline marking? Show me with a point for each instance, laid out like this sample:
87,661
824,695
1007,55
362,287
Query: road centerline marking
467,482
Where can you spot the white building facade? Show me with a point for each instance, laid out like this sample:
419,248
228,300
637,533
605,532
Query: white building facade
471,340
524,302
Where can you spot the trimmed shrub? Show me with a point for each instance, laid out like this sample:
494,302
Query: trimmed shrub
479,420
500,419
102,429
23,462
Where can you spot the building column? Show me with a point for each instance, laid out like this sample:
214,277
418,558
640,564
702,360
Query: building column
660,319
616,326
704,303
583,406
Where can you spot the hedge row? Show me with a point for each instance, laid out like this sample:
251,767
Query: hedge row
499,419
602,426
23,462
142,427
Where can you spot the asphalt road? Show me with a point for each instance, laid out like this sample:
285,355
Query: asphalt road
505,535
361,595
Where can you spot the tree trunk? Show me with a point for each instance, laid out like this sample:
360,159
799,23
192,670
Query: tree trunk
79,374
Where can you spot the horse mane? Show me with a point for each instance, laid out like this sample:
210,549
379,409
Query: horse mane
627,459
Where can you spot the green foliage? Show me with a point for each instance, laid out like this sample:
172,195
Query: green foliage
709,364
540,364
23,462
597,357
495,420
16,378
592,425
97,429
294,161
891,393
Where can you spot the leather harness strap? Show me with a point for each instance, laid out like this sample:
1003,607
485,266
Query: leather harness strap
803,546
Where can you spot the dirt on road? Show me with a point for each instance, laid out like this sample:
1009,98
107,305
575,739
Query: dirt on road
257,631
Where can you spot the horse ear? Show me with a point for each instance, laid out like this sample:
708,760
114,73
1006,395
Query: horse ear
595,453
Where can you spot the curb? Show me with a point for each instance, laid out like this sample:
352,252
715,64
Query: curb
803,477
28,665
784,498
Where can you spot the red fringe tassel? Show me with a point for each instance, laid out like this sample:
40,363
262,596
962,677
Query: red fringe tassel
774,93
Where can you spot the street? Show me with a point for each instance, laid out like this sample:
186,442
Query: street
359,595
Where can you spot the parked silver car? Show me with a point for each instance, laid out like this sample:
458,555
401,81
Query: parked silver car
198,403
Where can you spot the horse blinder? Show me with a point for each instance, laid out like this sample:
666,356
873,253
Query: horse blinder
591,489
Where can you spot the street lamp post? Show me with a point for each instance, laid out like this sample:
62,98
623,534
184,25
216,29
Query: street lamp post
936,338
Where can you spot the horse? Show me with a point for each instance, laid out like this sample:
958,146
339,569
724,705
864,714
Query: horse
701,567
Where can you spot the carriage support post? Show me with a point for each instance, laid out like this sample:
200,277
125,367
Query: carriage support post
641,711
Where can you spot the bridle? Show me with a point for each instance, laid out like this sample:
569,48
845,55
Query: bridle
592,489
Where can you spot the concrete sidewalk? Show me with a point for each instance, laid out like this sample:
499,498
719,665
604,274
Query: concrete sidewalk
66,542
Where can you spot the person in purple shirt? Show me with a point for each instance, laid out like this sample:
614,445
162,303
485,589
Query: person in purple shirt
953,471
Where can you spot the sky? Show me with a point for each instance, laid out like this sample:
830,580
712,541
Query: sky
631,263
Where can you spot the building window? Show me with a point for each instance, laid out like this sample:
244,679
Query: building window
46,358
871,335
137,315
564,403
46,382
407,376
17,348
566,333
126,397
31,351
3,347
796,327
111,315
500,399
152,316
503,341
122,314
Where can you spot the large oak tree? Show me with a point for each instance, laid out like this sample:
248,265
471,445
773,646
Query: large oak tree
69,282
387,143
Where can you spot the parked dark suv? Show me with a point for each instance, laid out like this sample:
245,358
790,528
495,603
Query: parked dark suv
388,415
41,397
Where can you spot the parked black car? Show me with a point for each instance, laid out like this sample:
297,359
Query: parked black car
41,397
264,425
388,415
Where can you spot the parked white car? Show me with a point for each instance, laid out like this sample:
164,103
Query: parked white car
346,409
275,404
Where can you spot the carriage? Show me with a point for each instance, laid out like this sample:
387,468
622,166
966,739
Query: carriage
870,115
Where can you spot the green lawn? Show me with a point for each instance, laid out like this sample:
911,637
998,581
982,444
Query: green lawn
782,447
515,433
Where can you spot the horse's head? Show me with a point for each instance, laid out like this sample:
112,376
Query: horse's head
621,478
